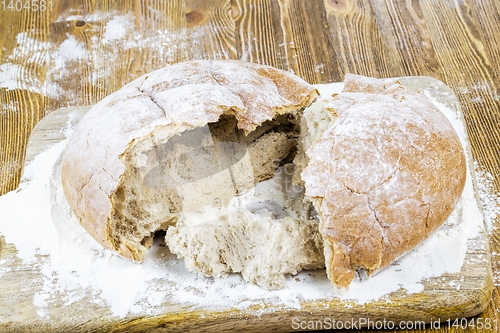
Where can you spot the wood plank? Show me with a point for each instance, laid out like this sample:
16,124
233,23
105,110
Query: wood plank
211,29
22,93
159,34
404,31
486,18
474,83
359,46
68,66
258,32
114,43
466,62
308,43
482,18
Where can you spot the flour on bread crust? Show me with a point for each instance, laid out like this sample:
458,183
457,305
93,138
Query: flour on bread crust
383,177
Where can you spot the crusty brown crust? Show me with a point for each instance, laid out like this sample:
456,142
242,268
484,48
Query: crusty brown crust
384,177
163,103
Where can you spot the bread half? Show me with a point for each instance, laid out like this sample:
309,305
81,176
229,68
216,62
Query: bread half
386,174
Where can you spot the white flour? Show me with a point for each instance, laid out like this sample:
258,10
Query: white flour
491,202
112,35
77,265
490,199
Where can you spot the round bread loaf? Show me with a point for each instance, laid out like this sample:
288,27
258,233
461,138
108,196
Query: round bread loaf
383,177
182,114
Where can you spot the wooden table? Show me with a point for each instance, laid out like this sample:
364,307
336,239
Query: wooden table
76,52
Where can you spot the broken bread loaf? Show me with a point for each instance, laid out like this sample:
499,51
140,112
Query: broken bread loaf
383,177
245,175
184,139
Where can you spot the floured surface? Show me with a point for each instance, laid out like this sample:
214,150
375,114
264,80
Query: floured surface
69,270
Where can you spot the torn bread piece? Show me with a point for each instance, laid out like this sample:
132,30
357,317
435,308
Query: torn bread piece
315,120
264,233
383,177
185,137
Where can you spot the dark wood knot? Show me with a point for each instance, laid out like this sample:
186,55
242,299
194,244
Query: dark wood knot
80,23
193,18
235,12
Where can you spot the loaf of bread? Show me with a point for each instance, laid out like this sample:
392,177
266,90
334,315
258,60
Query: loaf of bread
183,138
383,177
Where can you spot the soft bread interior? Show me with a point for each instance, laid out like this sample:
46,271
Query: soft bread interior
262,231
195,181
315,120
264,234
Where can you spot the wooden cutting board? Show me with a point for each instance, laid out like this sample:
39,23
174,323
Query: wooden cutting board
439,299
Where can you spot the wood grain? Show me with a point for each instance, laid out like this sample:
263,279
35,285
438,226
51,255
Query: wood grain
22,93
259,33
457,41
467,68
359,47
211,29
308,42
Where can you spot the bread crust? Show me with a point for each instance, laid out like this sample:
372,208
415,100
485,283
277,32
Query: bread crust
383,177
152,109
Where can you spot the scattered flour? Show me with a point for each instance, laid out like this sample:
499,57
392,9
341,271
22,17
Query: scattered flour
116,28
15,76
100,58
490,197
69,50
76,265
